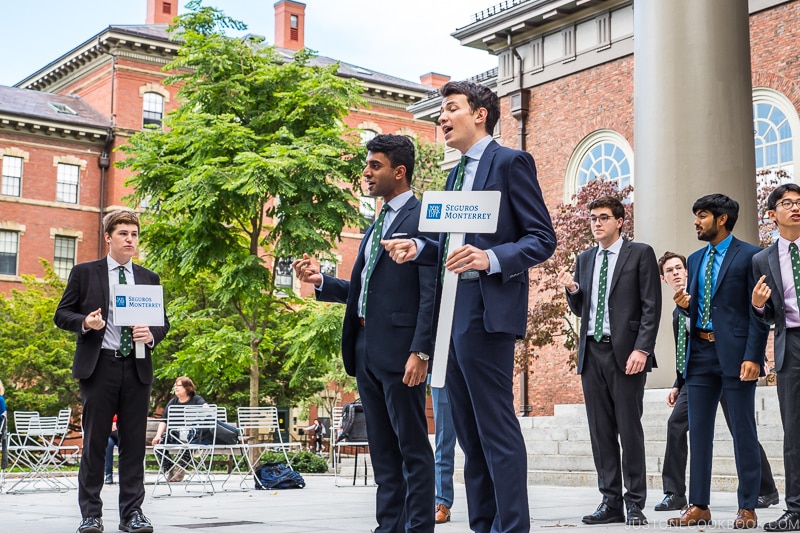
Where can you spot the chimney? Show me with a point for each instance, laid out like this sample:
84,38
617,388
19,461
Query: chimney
161,11
290,24
432,79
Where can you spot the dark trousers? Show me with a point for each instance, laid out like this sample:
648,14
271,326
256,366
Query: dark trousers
402,457
480,389
113,388
706,383
789,401
673,472
614,408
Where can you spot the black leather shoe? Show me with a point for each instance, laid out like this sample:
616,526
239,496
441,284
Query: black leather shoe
767,500
136,523
604,515
635,516
790,521
91,524
671,502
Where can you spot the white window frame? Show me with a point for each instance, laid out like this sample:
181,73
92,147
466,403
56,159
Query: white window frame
67,185
153,104
8,177
770,96
63,264
584,148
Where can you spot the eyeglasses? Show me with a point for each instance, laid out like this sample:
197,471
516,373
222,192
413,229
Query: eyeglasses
788,204
602,219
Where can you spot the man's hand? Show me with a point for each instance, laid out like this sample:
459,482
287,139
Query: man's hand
749,371
636,362
142,334
681,298
761,293
467,258
565,279
306,271
416,370
672,396
400,250
94,320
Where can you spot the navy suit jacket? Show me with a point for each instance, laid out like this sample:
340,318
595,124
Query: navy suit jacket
524,236
634,302
399,310
738,334
87,290
766,263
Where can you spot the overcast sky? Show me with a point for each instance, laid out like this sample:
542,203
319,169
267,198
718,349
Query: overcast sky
404,38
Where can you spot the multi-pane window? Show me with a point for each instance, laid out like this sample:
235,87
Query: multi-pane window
67,183
152,110
367,207
367,135
12,176
605,160
773,137
283,273
328,268
9,249
64,255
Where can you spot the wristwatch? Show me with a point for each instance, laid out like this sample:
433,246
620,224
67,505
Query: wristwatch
423,356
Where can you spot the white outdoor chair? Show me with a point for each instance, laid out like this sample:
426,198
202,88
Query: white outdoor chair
338,447
37,447
257,424
188,443
240,464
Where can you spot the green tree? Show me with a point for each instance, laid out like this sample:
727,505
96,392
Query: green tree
36,355
428,173
253,167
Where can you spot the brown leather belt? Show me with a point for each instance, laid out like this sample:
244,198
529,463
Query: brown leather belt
361,320
705,335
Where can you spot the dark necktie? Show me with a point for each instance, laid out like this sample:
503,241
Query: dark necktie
601,298
794,255
680,355
374,245
708,286
126,334
457,184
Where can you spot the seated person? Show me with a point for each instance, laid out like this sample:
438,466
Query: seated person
185,394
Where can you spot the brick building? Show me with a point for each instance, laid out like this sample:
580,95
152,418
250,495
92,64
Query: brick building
565,77
59,128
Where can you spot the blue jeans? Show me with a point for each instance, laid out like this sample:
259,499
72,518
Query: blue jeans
112,441
445,446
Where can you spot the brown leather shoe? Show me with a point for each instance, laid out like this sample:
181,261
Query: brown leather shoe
691,516
745,519
442,513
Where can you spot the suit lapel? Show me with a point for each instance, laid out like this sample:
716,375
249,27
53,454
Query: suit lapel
624,252
102,280
733,249
775,269
484,165
588,275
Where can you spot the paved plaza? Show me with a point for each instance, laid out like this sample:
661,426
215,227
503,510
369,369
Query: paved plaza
321,507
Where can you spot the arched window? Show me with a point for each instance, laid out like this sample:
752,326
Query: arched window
774,123
367,135
152,110
603,153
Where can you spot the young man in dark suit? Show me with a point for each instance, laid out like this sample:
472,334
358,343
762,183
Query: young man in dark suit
725,356
615,290
386,339
775,299
491,305
673,472
112,379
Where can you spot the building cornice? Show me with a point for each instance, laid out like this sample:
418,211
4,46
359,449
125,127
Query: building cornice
45,128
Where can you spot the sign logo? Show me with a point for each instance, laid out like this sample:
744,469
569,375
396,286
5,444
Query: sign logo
121,301
434,211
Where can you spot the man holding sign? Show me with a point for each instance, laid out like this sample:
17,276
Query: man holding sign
491,305
112,379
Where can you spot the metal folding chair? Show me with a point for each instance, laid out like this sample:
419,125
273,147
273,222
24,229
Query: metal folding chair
240,464
338,447
37,446
260,427
188,443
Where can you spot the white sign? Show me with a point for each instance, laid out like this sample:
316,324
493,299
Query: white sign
459,211
456,213
139,305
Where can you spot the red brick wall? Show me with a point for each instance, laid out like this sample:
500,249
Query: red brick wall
774,35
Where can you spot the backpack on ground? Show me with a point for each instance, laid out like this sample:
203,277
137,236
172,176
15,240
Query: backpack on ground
354,423
278,476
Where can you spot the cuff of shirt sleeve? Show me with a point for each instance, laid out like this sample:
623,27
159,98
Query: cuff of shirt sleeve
494,264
